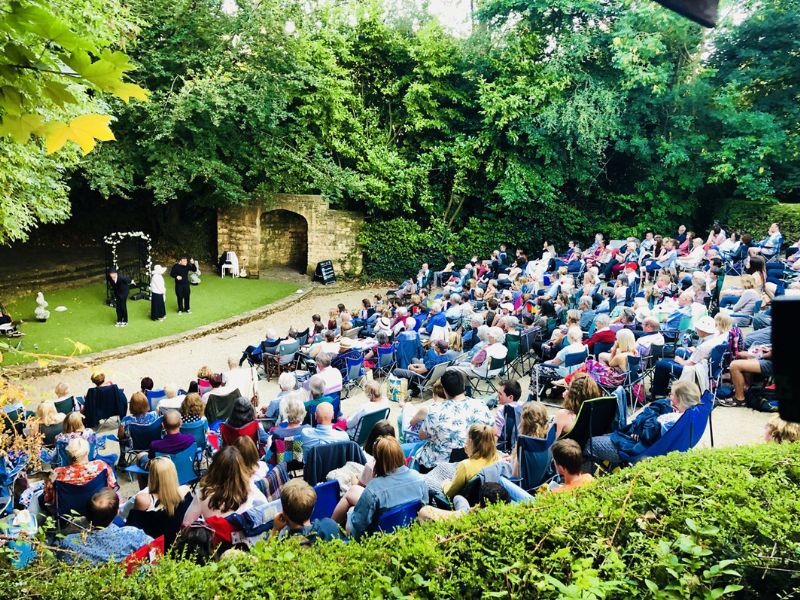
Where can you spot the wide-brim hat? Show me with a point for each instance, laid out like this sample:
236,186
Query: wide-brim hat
345,343
706,325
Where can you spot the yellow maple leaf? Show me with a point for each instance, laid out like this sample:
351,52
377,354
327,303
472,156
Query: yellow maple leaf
83,130
126,91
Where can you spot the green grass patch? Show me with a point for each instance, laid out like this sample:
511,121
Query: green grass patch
90,322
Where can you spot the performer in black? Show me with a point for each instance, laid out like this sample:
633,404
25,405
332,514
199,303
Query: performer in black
121,288
180,272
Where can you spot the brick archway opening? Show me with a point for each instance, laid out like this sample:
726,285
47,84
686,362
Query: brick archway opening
284,237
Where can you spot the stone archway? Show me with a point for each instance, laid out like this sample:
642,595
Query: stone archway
284,236
273,230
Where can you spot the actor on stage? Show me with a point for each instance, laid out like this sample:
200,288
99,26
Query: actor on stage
121,288
158,290
180,272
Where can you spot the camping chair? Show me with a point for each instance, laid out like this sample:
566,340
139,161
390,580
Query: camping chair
683,435
72,499
311,407
595,417
283,360
302,337
508,436
65,406
526,355
327,499
8,475
198,429
535,460
184,462
386,360
431,377
512,344
154,395
396,518
352,333
231,434
141,436
62,458
716,369
147,554
103,403
352,376
633,376
570,360
219,408
365,425
322,459
264,349
600,347
496,366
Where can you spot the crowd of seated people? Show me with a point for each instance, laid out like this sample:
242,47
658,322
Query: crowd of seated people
651,313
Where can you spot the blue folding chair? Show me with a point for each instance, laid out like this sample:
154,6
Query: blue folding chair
72,499
141,436
355,369
535,459
395,518
199,429
184,462
386,360
153,395
574,359
8,475
62,458
683,436
327,499
716,368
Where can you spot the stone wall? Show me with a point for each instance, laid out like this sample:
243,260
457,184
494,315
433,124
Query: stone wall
264,234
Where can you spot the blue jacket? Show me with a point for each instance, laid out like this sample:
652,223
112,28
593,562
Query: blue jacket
382,493
645,426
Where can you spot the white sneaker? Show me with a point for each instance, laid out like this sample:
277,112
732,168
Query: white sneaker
188,312
124,324
117,324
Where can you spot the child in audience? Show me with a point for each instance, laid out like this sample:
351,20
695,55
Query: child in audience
297,503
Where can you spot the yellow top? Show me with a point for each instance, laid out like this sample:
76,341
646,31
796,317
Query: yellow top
466,470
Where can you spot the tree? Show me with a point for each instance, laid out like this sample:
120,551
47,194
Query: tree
56,58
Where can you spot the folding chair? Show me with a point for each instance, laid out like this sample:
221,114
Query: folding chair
431,377
683,435
327,499
396,518
716,369
147,554
65,406
496,366
231,434
365,425
8,475
352,377
633,375
508,437
153,396
141,436
535,460
386,360
574,359
283,360
595,417
184,462
526,355
600,347
199,429
512,345
72,499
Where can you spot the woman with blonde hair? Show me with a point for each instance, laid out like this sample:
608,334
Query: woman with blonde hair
192,408
376,401
48,422
160,507
533,422
73,427
481,448
80,470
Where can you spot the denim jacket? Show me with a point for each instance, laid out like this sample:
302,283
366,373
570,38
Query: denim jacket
382,493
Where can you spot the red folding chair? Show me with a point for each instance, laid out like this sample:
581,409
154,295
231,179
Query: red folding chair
146,555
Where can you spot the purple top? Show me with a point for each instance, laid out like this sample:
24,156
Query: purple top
171,443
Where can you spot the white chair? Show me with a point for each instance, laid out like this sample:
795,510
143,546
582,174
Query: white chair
231,264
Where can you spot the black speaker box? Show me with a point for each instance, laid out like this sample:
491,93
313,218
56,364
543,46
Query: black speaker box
703,12
785,334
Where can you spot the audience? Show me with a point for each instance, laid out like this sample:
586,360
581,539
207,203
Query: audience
323,432
297,504
481,448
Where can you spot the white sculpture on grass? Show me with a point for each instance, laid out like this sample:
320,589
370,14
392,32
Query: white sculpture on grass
41,312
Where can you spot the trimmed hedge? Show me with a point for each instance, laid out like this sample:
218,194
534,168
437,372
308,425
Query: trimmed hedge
755,218
709,523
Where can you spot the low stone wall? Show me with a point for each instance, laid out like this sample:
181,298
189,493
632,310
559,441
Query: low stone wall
270,232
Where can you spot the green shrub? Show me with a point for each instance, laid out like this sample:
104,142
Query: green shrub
705,524
756,217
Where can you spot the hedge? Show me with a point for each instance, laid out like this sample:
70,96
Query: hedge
710,523
755,218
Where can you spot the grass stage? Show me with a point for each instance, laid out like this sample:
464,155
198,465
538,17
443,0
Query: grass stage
90,322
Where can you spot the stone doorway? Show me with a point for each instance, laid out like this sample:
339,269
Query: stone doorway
285,240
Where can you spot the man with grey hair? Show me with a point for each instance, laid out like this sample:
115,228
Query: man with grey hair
332,377
602,334
418,369
455,311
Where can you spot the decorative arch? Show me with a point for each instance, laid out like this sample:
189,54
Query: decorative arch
284,239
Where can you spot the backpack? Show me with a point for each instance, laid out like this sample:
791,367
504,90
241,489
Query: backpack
762,399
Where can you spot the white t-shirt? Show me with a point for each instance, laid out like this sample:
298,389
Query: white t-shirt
703,351
333,379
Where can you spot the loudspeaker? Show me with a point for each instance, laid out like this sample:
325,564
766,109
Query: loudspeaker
703,12
785,333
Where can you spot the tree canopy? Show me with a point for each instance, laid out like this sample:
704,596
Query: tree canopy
551,116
